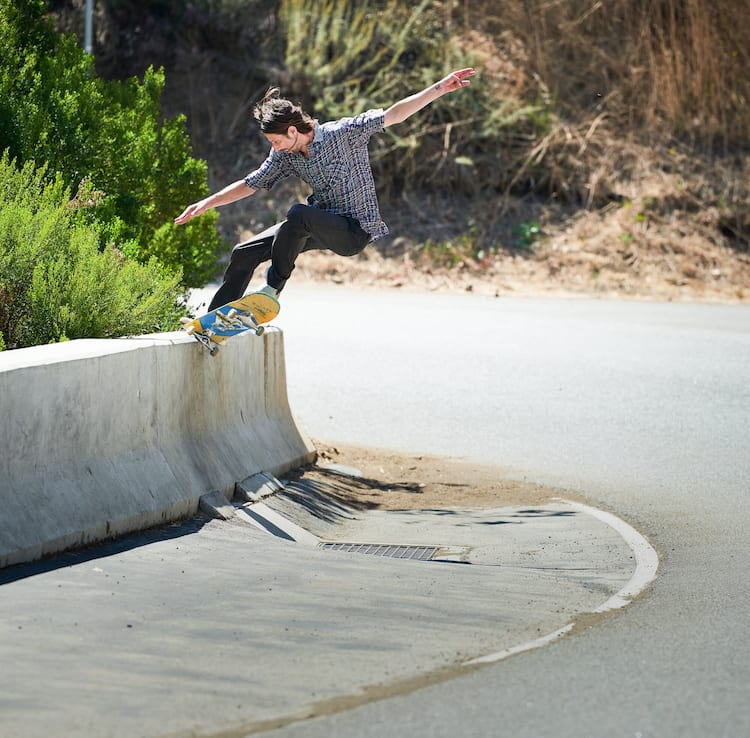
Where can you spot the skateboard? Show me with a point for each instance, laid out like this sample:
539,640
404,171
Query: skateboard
239,316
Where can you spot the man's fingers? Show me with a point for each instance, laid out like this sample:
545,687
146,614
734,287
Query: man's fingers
187,214
460,76
183,217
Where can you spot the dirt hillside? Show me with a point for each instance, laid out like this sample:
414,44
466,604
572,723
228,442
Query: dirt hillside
638,187
640,249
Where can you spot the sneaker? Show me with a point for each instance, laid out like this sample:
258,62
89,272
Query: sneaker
268,290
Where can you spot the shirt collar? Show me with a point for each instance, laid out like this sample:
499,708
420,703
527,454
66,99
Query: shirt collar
317,134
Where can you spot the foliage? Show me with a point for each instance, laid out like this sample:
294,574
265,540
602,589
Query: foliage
674,68
55,281
528,235
576,103
448,254
54,110
345,58
471,247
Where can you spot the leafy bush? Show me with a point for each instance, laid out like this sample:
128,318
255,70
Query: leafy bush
54,110
344,58
56,283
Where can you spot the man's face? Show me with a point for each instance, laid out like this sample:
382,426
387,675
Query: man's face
288,142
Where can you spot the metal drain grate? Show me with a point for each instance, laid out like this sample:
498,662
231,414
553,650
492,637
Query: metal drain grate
417,553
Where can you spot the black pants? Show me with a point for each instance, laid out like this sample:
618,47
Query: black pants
305,228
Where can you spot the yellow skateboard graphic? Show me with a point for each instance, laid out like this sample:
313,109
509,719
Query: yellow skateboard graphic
239,316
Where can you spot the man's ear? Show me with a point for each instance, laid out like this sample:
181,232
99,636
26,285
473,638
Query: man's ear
291,131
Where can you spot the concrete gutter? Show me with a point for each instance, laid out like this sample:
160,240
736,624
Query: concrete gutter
104,437
236,626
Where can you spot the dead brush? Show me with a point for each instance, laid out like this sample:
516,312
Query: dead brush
674,68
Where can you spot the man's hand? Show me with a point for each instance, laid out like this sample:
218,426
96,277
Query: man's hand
190,212
455,81
401,110
231,193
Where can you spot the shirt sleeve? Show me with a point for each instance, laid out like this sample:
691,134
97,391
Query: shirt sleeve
362,126
267,174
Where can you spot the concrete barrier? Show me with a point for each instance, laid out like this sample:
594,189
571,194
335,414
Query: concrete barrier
104,437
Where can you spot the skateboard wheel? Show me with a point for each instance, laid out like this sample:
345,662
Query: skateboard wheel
213,351
232,314
259,330
190,330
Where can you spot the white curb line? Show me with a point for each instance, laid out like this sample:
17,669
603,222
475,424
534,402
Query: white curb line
647,564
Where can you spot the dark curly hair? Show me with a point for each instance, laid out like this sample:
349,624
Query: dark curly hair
275,114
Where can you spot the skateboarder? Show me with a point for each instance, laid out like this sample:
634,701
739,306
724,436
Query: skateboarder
342,212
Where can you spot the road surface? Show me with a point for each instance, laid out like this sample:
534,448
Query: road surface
644,408
215,630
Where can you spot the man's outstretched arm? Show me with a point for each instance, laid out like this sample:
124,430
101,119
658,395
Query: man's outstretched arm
231,193
401,110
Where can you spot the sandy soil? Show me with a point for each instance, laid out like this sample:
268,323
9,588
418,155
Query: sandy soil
633,250
392,481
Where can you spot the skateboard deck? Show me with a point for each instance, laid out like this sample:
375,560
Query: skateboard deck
239,316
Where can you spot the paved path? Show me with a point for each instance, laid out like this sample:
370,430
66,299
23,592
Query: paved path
215,626
642,408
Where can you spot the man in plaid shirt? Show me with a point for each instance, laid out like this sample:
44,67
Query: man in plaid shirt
342,212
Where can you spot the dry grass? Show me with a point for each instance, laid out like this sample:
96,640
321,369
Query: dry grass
678,67
624,134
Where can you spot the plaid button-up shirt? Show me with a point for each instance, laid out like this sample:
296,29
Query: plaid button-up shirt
338,170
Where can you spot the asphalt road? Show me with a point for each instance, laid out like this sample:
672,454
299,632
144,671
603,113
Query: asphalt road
644,408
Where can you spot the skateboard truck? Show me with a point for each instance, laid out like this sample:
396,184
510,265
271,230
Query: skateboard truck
236,320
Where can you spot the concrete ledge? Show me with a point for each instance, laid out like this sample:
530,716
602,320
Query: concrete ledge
216,506
104,437
255,488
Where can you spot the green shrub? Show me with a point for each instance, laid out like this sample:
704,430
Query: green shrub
54,110
56,283
344,58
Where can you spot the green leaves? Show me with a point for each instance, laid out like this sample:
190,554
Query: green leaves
348,57
56,283
55,111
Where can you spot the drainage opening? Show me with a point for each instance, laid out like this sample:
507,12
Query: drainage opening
417,553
